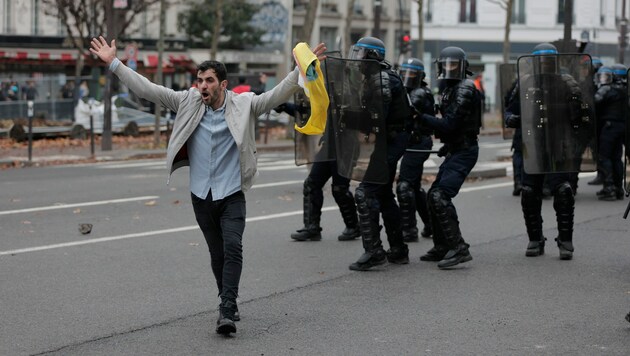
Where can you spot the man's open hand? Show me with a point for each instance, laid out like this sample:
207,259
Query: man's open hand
107,53
319,51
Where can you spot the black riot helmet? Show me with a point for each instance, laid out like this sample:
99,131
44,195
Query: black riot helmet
547,63
620,73
412,73
452,64
368,48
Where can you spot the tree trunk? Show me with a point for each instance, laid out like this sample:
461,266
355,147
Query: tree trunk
216,31
506,36
345,47
159,74
309,21
420,51
568,23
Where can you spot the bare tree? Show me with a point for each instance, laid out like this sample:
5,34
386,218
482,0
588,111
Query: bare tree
216,33
309,21
506,5
345,47
420,51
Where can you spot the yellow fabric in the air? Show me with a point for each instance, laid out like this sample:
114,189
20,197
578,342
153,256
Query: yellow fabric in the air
314,89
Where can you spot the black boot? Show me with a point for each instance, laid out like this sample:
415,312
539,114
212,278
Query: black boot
455,256
518,187
312,215
439,249
407,201
225,322
532,204
398,255
348,210
374,254
564,205
446,216
609,193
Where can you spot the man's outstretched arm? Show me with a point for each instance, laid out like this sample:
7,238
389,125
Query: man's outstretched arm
137,83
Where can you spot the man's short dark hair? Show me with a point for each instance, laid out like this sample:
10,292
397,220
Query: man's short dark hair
218,67
241,80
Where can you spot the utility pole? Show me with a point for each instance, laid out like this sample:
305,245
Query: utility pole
623,33
106,137
378,6
159,77
420,50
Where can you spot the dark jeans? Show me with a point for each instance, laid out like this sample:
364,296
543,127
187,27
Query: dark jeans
611,142
222,223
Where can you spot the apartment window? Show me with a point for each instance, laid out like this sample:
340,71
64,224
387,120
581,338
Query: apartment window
328,35
35,17
561,12
428,16
518,12
468,11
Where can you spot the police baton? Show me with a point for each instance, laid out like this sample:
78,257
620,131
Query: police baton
421,151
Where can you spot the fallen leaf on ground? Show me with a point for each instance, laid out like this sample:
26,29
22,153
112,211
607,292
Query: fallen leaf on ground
150,203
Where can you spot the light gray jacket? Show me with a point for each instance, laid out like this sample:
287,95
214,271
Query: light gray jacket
241,111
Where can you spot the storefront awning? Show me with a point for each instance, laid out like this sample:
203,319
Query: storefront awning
37,56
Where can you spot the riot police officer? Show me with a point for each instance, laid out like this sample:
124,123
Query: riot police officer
611,105
458,128
546,83
409,192
597,64
376,199
313,195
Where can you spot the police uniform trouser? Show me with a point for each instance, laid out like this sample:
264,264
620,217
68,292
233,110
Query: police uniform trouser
372,199
563,204
411,196
450,178
610,154
313,201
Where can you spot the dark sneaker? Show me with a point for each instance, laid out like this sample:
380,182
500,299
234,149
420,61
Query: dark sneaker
455,257
535,248
608,194
597,181
349,233
566,250
305,234
628,317
225,323
398,255
427,232
434,255
369,260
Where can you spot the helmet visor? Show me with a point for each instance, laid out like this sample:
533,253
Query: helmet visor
604,77
450,68
363,51
411,75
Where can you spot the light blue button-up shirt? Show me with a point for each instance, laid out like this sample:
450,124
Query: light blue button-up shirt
214,158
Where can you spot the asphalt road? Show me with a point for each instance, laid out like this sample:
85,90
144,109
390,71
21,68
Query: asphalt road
140,282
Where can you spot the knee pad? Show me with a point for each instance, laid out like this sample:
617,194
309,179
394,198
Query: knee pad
340,191
563,198
405,192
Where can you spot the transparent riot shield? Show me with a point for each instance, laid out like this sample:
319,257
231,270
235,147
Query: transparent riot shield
356,114
507,83
313,148
626,176
557,113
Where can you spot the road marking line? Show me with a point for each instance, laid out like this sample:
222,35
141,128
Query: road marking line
67,206
266,185
146,233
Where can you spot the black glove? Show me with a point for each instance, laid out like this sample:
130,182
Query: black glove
443,151
280,108
513,121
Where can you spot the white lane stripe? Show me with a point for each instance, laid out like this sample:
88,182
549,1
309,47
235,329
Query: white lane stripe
146,233
132,165
280,168
76,205
267,185
487,186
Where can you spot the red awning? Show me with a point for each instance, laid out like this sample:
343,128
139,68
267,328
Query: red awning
37,56
171,62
